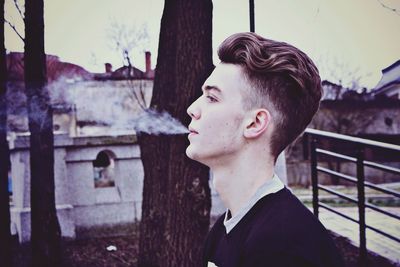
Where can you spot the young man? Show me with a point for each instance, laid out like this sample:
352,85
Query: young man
260,97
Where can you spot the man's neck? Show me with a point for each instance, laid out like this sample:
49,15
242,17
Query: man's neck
239,180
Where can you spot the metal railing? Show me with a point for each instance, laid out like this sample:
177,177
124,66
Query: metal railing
312,140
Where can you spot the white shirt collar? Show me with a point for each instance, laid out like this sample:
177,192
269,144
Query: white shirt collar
269,187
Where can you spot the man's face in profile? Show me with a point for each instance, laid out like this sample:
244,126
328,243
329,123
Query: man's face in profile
216,129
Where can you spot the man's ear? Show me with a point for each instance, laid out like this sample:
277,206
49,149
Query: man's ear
257,123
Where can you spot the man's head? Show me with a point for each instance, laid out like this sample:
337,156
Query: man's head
271,90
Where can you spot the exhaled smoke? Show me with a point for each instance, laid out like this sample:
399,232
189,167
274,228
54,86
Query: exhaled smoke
99,107
152,122
146,121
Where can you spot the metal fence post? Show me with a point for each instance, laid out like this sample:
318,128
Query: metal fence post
314,174
361,207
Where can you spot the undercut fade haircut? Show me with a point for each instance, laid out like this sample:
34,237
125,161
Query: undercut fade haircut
282,79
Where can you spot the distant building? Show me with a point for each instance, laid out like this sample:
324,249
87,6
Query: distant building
127,72
372,115
98,178
331,91
72,90
336,92
389,85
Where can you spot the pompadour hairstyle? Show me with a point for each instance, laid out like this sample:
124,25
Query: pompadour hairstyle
282,79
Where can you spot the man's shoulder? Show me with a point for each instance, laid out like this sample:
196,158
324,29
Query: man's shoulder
277,226
287,225
282,206
283,217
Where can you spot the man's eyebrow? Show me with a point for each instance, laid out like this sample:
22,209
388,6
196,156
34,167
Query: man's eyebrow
211,87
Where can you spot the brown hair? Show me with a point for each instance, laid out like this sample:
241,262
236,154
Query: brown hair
282,78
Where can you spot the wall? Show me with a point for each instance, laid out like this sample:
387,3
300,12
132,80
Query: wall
79,204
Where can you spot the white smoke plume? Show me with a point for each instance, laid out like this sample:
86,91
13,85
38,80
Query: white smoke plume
111,104
105,105
155,123
147,121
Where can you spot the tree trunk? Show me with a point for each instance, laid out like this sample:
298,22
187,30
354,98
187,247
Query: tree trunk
176,196
45,235
5,235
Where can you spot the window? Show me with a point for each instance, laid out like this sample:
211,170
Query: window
388,121
103,169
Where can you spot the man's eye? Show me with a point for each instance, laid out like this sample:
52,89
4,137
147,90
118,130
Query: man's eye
211,99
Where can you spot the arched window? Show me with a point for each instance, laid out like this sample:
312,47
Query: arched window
103,169
388,121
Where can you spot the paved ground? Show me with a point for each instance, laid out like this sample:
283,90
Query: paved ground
375,242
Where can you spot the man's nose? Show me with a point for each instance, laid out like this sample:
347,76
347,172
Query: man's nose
193,111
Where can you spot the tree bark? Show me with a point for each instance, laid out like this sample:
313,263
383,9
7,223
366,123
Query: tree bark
46,234
5,234
176,196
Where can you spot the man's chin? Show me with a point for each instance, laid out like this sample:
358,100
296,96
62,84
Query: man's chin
193,155
190,154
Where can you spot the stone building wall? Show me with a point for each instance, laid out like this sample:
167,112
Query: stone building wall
79,204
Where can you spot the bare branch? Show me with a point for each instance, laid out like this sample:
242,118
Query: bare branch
142,95
130,80
14,29
390,8
126,39
138,99
19,10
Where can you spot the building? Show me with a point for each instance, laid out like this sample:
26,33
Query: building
72,89
376,119
98,179
389,85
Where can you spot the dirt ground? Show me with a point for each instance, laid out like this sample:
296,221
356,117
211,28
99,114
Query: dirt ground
93,252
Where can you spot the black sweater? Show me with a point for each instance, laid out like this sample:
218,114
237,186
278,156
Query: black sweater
277,231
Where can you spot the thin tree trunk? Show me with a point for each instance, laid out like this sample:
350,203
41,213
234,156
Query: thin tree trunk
5,235
176,196
45,235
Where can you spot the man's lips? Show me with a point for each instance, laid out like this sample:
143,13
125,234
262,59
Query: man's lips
192,131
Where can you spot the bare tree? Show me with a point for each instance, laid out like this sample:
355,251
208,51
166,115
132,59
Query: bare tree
340,78
45,229
395,10
176,196
125,40
9,22
5,235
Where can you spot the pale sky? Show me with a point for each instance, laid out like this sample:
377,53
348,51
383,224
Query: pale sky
357,36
